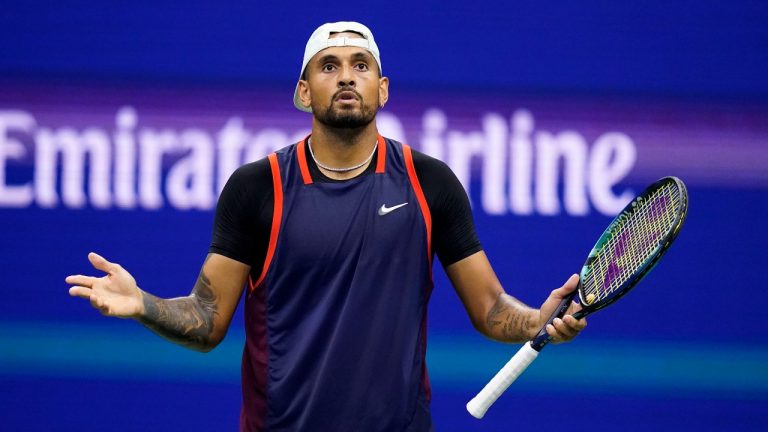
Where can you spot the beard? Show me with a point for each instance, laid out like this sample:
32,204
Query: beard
346,118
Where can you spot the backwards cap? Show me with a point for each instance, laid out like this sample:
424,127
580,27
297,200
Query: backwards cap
321,40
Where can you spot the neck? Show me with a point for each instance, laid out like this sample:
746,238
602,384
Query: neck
339,148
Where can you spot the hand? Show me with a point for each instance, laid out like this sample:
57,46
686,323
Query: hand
566,328
115,294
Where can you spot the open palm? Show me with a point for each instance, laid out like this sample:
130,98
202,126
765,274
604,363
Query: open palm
114,294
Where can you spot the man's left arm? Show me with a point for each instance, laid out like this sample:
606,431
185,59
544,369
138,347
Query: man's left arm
493,312
501,317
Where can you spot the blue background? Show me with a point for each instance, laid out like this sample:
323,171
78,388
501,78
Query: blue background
688,351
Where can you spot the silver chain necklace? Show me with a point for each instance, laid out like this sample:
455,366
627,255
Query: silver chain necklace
340,170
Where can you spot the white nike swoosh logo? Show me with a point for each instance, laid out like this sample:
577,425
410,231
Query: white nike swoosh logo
384,209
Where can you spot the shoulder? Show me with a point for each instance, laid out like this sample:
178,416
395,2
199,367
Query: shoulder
251,179
425,163
433,171
252,169
252,172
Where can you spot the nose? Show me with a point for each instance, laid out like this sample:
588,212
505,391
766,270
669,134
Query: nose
346,78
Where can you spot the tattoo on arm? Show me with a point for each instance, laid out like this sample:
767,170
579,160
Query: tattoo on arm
188,321
508,319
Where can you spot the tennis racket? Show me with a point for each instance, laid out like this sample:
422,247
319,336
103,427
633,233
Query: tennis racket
628,249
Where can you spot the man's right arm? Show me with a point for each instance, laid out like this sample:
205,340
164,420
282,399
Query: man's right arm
198,321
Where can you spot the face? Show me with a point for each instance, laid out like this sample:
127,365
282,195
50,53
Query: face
343,86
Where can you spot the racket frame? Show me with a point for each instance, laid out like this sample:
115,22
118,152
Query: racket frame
647,266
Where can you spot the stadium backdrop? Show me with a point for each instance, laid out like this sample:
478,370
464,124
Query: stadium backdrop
120,122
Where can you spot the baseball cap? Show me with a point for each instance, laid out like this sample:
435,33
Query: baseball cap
320,40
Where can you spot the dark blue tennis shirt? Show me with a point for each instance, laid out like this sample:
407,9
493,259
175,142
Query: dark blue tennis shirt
336,308
339,313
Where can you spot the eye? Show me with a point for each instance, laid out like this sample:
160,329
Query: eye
328,67
361,67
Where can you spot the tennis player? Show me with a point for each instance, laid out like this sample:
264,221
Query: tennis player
332,241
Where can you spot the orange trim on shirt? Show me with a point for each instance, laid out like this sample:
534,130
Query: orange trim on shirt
420,197
277,217
382,157
302,158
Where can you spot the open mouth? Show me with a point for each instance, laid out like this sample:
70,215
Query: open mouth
346,96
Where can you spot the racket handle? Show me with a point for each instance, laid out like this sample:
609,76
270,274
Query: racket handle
506,376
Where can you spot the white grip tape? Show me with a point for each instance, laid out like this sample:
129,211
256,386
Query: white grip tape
506,376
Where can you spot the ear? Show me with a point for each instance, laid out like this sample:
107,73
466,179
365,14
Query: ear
304,94
383,91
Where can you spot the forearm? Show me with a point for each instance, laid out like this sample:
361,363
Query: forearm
189,321
510,320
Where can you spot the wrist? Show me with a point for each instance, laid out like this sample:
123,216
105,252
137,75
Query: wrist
532,323
141,311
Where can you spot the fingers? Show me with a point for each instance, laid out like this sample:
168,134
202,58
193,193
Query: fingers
573,308
555,298
569,286
100,262
88,294
565,329
96,301
83,286
80,291
86,281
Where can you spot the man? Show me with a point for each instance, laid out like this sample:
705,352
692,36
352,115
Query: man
336,236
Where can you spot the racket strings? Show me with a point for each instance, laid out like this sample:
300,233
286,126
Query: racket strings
632,242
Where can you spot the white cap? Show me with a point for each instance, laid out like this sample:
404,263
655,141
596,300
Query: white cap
320,40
